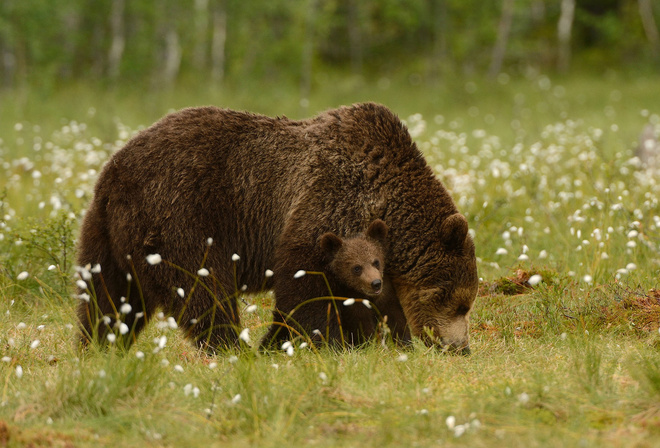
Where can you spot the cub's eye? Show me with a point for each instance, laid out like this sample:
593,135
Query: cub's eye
462,310
357,270
376,264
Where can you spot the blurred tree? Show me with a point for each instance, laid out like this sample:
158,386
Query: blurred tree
503,31
650,28
564,29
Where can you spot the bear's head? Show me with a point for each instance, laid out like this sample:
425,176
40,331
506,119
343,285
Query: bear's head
357,262
438,293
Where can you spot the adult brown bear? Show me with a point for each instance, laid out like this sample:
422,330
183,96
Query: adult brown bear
266,189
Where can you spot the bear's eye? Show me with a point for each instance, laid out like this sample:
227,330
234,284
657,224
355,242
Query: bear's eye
462,310
376,264
357,270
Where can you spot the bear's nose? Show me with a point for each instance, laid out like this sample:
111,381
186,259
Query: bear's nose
376,284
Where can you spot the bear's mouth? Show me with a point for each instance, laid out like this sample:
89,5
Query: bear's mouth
375,292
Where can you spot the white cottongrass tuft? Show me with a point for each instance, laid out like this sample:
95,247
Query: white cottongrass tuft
232,359
402,357
181,292
154,259
82,284
523,398
286,345
236,399
366,303
631,266
19,371
171,322
245,335
543,254
35,343
450,422
535,280
203,272
323,377
299,274
460,430
139,354
523,257
178,368
235,257
209,241
269,273
349,302
251,309
22,276
123,328
96,269
111,338
501,251
6,359
213,365
52,267
20,325
125,308
588,278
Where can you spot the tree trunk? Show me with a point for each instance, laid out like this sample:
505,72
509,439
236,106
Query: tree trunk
503,31
307,55
8,64
201,34
564,28
650,28
355,37
439,12
118,38
172,57
218,42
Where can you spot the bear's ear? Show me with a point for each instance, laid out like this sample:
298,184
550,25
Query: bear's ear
330,243
378,230
453,231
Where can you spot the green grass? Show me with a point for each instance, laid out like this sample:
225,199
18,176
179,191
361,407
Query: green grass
571,361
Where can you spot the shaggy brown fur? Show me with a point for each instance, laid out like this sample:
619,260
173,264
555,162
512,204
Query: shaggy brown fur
266,189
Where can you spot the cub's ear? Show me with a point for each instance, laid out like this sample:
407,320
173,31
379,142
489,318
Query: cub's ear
330,243
378,230
453,231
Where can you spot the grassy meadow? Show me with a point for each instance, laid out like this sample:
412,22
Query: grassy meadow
565,331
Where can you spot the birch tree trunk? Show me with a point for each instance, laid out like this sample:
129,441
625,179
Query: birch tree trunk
172,56
564,29
218,42
650,28
307,55
439,11
503,31
355,37
200,51
118,41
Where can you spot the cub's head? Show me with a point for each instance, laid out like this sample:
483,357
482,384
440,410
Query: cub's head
358,262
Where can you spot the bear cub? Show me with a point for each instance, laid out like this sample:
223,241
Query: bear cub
357,265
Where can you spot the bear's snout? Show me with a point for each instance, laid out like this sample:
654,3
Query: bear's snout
376,285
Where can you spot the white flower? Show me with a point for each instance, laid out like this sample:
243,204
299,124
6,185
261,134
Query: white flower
633,234
139,354
6,359
35,343
235,257
366,303
154,259
588,278
349,302
535,280
236,399
52,267
213,365
459,430
123,328
20,325
125,308
450,422
161,341
178,368
303,345
543,254
299,274
180,292
323,377
289,350
96,269
631,266
111,338
251,309
171,322
195,392
81,284
164,363
129,277
187,389
19,371
269,273
209,241
203,272
286,345
501,251
245,335
523,398
232,359
523,257
402,357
